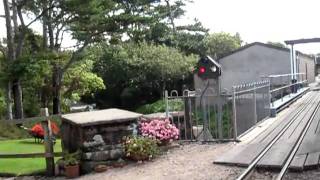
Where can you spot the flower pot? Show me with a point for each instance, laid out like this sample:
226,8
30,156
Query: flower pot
72,171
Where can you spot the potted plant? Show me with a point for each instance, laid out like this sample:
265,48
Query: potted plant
140,148
71,161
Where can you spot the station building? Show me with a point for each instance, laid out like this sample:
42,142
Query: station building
252,62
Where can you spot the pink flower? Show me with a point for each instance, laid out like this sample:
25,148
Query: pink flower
162,130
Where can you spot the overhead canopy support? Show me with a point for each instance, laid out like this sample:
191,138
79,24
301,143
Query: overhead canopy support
302,41
293,58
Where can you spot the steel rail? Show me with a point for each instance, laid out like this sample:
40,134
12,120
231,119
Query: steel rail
297,144
252,165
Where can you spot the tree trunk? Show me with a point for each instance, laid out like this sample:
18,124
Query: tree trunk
17,90
9,101
17,97
44,27
56,83
50,30
10,53
171,17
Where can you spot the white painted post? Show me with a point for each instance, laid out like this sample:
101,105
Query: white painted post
291,62
167,103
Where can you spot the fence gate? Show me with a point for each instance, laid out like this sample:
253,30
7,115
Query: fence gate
201,117
208,117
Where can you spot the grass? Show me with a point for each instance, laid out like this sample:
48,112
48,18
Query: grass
11,131
20,166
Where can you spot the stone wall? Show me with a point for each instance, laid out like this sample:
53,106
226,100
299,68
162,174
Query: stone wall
97,152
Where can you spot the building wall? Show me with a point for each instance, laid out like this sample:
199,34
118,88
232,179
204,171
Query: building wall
307,65
250,64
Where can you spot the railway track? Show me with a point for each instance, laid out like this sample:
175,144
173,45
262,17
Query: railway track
249,171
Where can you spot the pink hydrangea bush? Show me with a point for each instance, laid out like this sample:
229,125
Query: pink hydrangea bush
160,129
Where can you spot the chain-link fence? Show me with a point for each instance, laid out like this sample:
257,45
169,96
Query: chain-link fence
251,104
201,117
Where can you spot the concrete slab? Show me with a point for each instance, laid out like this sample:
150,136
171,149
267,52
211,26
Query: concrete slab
106,116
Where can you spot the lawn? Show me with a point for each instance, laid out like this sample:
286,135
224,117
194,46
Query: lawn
23,165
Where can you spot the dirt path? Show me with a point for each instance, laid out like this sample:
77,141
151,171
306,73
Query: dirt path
191,161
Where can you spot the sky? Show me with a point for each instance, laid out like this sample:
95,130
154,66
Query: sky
261,20
255,20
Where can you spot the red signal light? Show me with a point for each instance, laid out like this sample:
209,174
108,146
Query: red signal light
202,70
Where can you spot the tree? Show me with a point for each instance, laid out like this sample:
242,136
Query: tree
88,22
138,73
220,44
188,38
17,29
278,44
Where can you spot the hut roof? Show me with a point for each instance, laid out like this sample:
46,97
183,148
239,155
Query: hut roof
106,116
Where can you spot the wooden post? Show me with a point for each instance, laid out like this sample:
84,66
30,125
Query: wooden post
48,144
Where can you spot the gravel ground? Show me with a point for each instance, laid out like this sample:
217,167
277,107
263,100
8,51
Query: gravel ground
190,161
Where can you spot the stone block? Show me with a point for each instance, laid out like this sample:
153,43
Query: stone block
116,154
97,156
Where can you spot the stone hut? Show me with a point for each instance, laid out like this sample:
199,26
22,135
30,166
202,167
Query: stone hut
98,134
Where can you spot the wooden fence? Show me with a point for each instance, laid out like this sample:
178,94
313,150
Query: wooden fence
49,154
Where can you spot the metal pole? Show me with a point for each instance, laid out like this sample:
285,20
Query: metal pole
291,62
205,121
269,102
220,127
235,133
167,103
255,104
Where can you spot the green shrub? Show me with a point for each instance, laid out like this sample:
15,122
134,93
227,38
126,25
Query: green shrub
140,148
11,131
160,106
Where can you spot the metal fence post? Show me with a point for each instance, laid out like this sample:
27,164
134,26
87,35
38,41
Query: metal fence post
167,103
269,97
220,126
235,133
255,104
205,121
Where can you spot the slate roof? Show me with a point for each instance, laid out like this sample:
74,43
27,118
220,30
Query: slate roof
265,45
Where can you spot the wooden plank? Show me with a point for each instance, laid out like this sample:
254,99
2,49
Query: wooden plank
312,160
241,155
282,120
276,156
28,155
298,162
311,142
